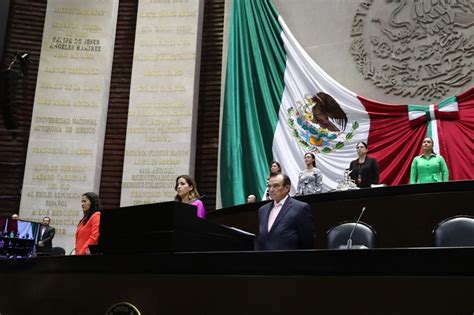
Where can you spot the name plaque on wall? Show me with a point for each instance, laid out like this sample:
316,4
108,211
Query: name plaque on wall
162,115
64,156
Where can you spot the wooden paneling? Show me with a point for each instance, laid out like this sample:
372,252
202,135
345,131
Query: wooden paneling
24,34
114,146
209,101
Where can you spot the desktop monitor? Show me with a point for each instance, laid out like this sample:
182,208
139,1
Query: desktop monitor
18,238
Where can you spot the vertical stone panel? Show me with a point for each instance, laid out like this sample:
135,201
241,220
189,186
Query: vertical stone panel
162,116
65,147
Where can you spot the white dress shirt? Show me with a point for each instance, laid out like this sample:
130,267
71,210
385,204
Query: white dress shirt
275,211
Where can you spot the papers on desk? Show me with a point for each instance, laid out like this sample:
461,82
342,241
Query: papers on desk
377,185
240,231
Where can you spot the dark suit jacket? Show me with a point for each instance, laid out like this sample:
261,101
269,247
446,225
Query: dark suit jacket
293,227
47,239
368,171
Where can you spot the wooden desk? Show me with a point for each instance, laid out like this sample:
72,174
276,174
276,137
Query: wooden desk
403,216
379,281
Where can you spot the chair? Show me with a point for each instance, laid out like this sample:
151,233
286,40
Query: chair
455,231
364,235
58,251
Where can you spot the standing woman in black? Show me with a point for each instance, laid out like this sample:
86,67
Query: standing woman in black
275,168
364,170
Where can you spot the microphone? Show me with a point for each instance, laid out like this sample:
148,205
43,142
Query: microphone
349,241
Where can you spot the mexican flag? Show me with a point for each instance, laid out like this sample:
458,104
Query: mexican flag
279,104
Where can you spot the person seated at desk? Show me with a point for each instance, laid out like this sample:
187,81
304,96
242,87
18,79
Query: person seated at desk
285,223
187,192
251,199
47,232
364,170
87,232
428,167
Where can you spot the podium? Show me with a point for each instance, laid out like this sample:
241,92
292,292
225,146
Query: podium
166,227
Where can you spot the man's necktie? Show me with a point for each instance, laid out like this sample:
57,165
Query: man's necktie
273,214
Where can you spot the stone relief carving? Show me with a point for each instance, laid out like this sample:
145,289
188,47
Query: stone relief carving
415,48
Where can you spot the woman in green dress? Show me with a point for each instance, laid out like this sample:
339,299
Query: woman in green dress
428,167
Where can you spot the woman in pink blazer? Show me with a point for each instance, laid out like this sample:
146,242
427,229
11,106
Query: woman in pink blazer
187,192
87,232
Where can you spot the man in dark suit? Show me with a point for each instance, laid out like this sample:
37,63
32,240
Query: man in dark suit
45,244
285,223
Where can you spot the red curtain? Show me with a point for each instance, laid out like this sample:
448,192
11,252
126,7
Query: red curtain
456,139
394,143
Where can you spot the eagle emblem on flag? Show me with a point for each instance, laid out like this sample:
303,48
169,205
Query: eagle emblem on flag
318,123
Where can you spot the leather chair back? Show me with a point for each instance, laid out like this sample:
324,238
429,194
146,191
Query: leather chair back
455,231
58,251
364,235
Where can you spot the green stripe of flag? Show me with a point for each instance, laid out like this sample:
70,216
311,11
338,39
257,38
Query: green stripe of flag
253,91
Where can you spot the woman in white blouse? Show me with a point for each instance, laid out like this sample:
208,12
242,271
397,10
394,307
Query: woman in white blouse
310,180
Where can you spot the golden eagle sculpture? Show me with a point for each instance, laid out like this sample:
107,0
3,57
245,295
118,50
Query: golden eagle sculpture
326,108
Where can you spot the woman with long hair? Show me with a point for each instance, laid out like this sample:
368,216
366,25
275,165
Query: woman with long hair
364,169
87,232
428,167
187,192
274,168
310,180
